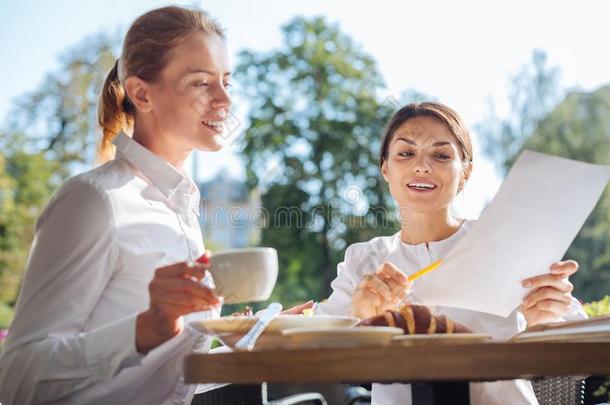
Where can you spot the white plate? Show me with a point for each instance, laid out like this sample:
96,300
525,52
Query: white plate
242,324
267,341
545,336
342,336
441,339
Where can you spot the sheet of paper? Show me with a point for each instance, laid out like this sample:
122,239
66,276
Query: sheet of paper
530,224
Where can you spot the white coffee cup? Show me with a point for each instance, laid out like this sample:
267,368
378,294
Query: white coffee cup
244,275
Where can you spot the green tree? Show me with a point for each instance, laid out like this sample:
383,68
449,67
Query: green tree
312,141
53,133
26,182
7,243
59,117
534,91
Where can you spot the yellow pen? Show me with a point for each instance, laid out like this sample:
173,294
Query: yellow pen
425,270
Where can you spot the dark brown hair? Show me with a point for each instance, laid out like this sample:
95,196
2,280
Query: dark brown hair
147,45
439,111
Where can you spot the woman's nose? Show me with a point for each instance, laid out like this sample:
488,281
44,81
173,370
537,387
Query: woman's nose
221,99
420,165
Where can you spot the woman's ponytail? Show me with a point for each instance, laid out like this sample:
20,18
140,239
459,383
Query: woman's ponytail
114,113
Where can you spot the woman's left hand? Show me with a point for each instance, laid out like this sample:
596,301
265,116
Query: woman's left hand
551,297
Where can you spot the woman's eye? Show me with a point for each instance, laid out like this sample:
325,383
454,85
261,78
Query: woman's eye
201,83
405,154
442,156
227,85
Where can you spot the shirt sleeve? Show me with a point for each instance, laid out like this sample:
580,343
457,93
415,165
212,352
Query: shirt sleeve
340,300
576,311
49,354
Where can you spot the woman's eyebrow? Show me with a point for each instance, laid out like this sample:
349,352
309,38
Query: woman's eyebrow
410,142
189,71
443,143
406,140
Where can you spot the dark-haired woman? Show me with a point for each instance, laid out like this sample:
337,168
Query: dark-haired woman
426,159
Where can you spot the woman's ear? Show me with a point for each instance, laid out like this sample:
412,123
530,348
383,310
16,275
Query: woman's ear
384,171
465,176
138,92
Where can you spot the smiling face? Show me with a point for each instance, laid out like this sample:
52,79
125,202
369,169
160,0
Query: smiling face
189,102
424,167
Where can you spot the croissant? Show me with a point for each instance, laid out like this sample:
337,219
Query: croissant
415,319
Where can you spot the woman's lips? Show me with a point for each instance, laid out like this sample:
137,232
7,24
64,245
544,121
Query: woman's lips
420,187
217,126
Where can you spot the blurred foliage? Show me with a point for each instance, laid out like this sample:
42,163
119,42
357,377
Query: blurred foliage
598,308
576,127
26,182
313,133
603,391
58,118
533,93
51,132
6,316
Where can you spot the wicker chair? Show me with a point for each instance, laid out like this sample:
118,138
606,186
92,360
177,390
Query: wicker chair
559,390
565,390
300,398
236,394
230,394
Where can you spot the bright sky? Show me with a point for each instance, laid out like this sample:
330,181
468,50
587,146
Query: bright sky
459,52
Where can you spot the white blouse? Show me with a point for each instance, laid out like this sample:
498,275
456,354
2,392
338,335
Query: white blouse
365,258
96,248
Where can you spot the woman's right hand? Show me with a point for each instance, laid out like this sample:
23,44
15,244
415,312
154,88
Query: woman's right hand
175,290
379,291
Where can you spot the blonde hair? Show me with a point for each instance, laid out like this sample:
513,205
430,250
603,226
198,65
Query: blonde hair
145,53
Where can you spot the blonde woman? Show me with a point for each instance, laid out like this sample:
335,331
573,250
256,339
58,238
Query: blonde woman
426,159
95,322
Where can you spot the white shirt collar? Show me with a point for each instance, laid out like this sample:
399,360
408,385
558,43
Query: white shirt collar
449,241
162,174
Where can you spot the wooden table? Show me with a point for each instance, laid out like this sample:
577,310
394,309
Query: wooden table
471,362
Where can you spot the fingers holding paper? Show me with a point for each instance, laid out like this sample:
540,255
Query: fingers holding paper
551,294
566,268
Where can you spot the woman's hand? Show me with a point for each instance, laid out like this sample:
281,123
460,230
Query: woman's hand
298,309
551,297
175,291
379,291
